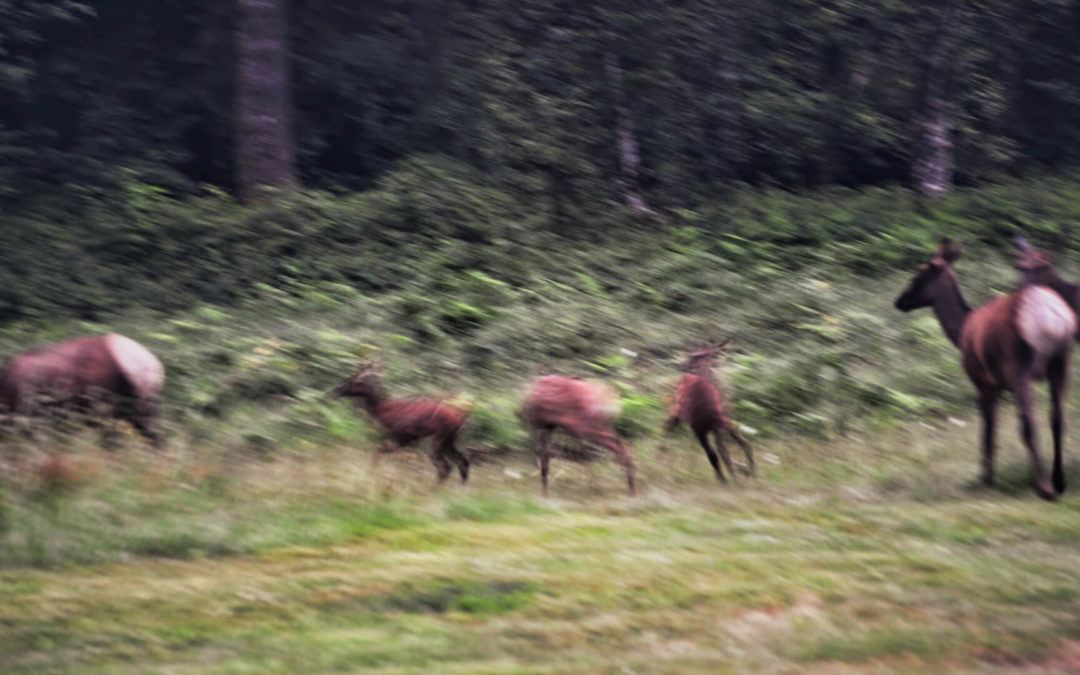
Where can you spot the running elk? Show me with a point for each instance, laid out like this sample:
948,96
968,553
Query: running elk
698,403
408,420
1004,345
1036,267
110,369
580,408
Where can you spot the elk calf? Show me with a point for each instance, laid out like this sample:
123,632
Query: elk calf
580,408
698,403
80,369
408,420
1004,345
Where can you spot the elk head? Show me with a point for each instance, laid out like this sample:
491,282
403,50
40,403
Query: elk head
925,286
363,383
1033,264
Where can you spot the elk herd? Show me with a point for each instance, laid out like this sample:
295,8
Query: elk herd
1006,345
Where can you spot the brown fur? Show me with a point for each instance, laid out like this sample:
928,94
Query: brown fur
700,406
580,408
80,370
1005,345
405,421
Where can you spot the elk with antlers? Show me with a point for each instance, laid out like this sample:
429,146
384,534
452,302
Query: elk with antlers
408,420
1005,345
699,404
582,409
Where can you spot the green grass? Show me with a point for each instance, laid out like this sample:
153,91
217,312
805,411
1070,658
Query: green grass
871,551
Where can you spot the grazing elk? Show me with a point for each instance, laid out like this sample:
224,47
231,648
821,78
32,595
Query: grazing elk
582,409
78,371
408,420
1005,345
1036,268
698,403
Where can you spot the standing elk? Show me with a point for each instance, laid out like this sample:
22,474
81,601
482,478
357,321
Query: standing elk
1004,345
698,403
407,420
580,408
81,370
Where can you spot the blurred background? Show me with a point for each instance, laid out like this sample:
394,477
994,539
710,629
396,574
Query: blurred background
470,193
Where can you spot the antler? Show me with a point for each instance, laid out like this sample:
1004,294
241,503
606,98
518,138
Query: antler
723,345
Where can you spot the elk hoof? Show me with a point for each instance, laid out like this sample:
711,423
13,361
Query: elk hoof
1044,491
1059,483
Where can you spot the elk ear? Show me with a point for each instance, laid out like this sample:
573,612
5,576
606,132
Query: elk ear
948,251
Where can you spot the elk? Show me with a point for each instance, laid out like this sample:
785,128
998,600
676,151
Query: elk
405,421
581,408
1036,268
1005,345
79,370
698,403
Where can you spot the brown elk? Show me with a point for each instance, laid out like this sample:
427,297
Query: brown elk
699,404
407,420
580,408
79,370
1004,345
1037,268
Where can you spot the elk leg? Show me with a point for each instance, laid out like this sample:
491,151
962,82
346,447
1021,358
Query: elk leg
1058,376
1027,430
730,427
623,457
725,455
988,401
703,438
458,458
543,456
442,464
147,429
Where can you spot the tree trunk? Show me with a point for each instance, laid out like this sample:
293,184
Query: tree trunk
626,144
264,140
932,166
724,124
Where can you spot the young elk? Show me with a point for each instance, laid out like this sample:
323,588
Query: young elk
80,370
1004,345
408,420
1036,268
582,409
698,403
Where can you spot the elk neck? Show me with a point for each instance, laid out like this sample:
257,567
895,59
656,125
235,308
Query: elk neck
950,308
371,398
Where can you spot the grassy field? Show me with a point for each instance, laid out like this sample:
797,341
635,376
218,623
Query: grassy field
870,554
264,540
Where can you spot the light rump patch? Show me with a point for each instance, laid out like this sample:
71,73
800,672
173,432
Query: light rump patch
141,368
1044,321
